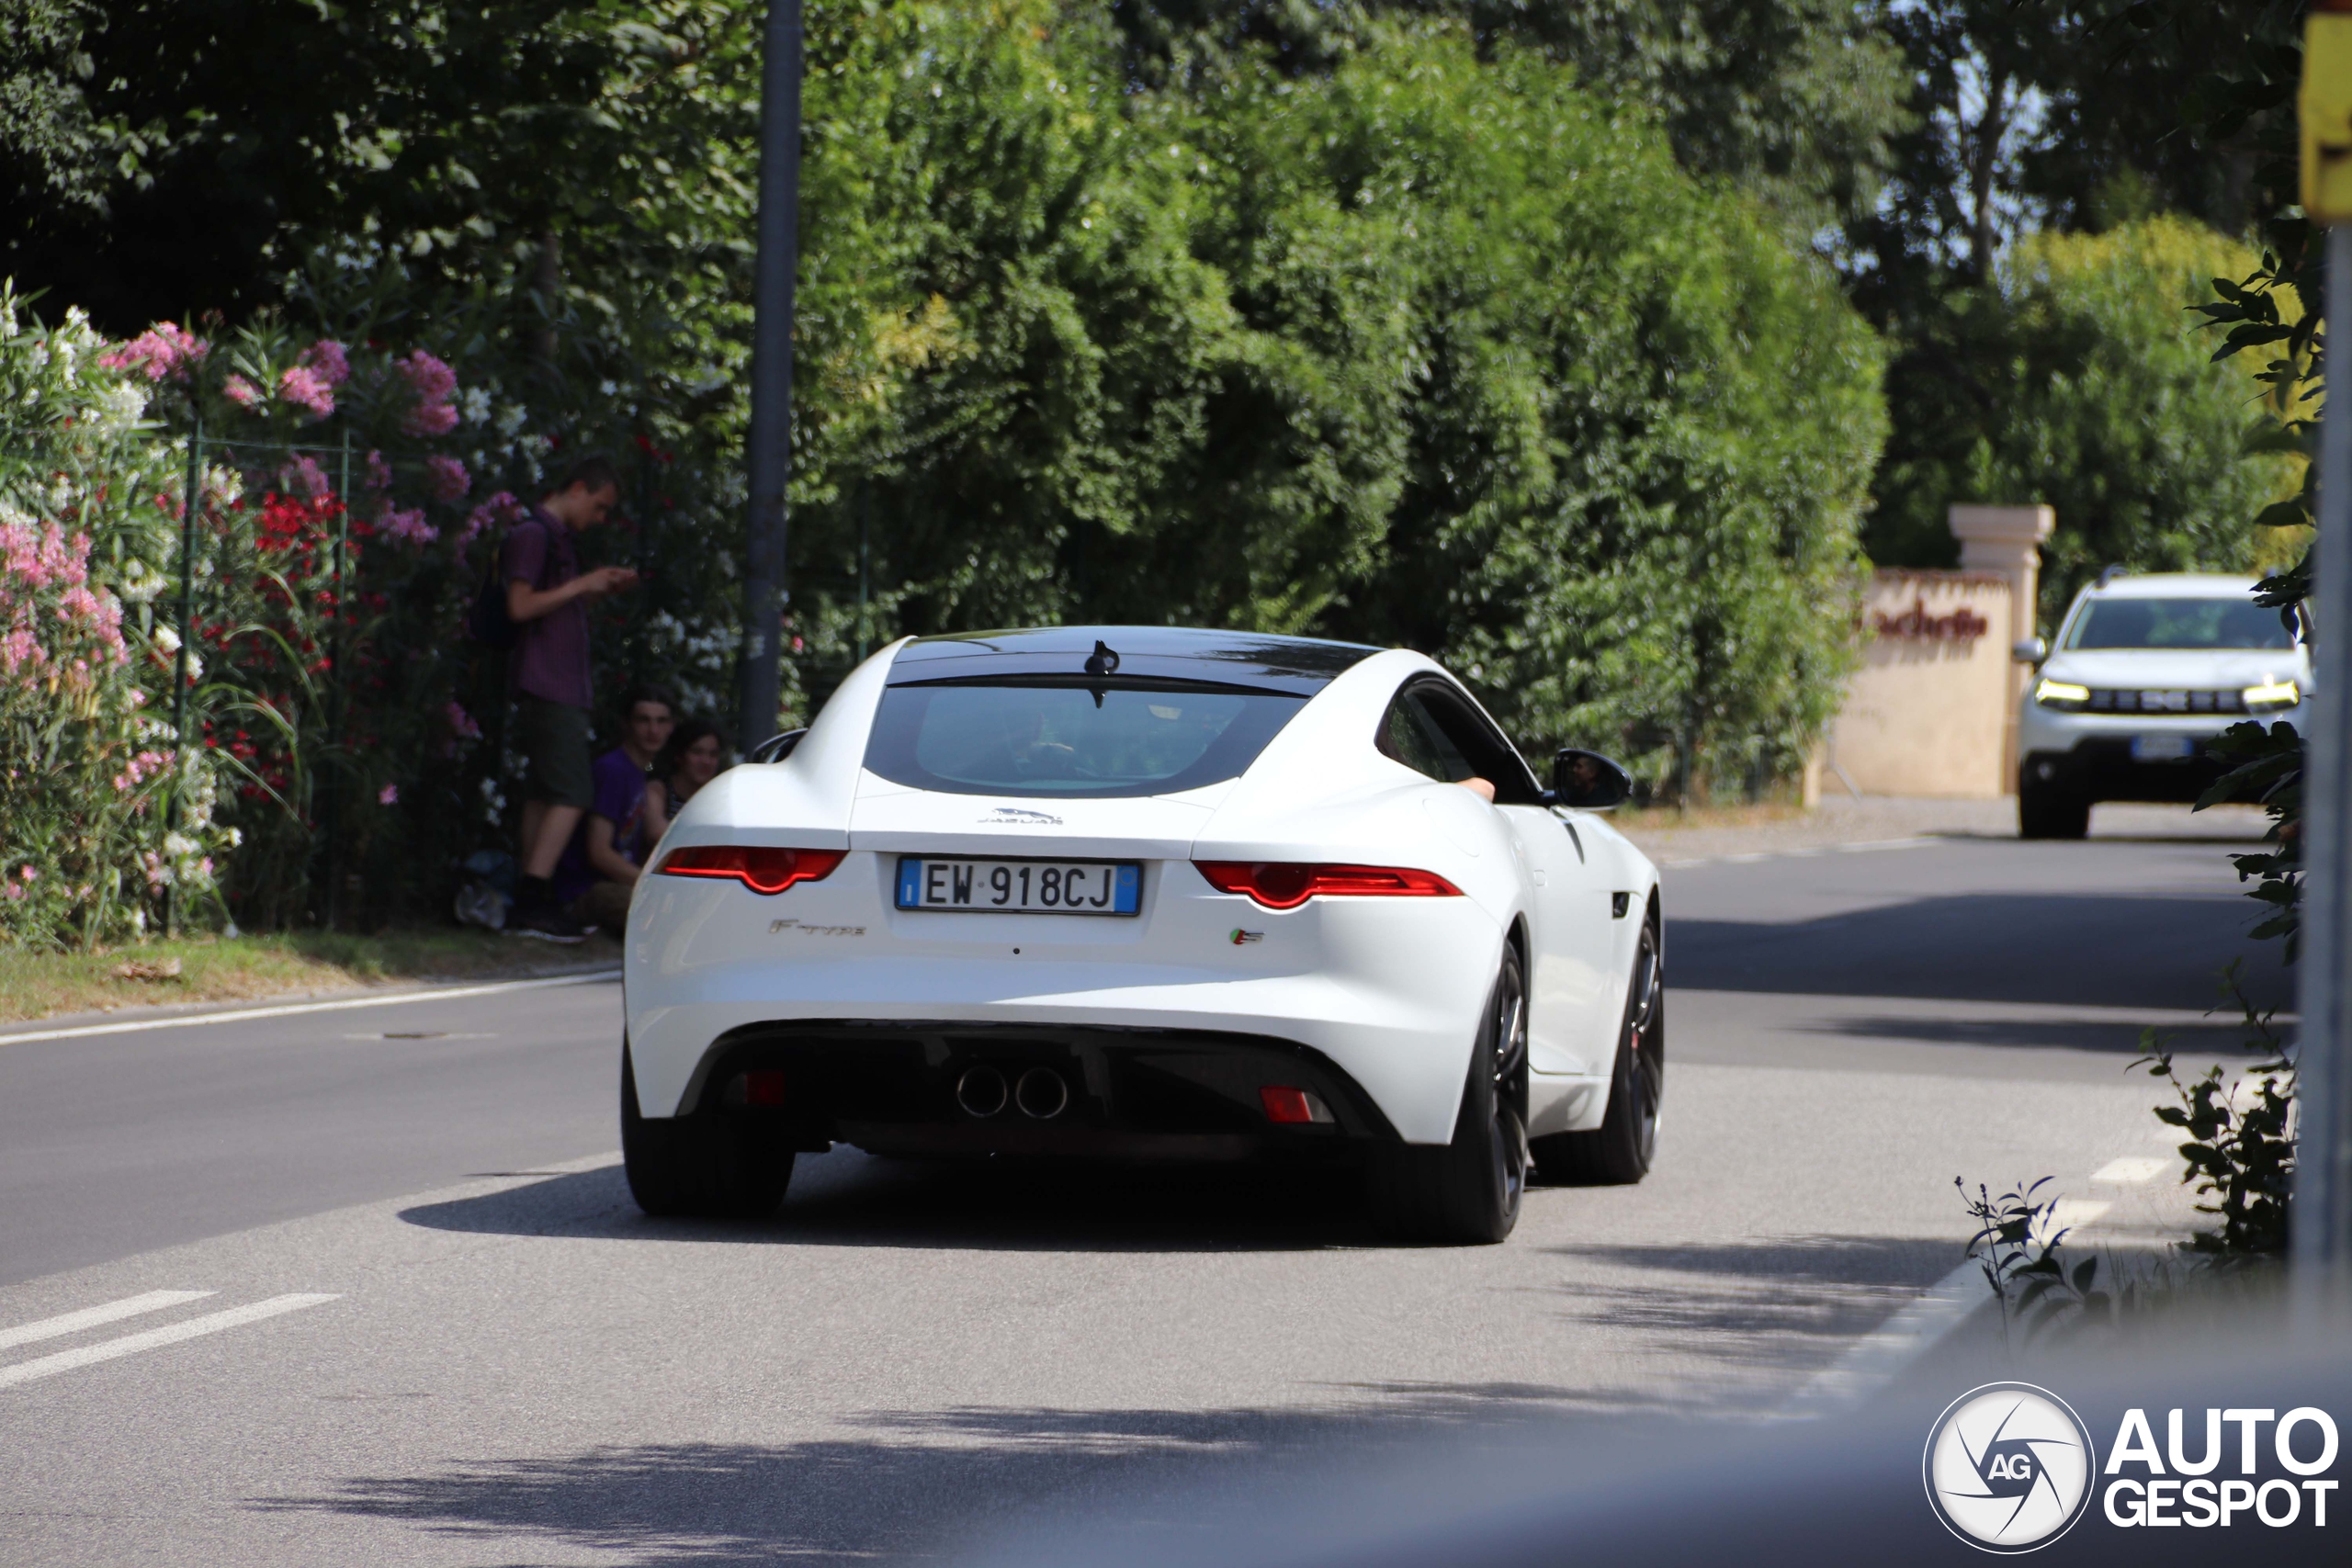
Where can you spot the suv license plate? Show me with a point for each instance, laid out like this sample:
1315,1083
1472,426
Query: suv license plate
2161,748
1022,886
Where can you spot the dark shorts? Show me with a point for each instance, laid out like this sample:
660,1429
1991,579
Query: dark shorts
554,738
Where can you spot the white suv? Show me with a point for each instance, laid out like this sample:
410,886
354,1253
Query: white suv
2146,672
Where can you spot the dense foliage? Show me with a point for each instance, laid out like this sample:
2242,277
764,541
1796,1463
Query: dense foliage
1425,344
2087,390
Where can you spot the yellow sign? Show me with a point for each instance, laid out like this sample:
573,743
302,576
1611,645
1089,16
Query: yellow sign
2326,107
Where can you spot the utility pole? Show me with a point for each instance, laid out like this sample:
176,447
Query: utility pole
2323,1210
769,461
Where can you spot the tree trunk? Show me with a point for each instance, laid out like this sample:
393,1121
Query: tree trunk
1985,160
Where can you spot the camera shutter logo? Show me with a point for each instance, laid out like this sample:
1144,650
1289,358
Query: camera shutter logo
2008,1467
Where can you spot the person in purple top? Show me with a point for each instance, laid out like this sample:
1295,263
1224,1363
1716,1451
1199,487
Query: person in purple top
554,688
597,874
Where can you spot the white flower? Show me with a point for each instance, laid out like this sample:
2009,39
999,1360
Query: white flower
177,844
231,838
512,418
473,404
167,639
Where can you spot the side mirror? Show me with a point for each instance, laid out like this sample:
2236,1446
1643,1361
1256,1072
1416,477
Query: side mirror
1589,781
2028,651
776,748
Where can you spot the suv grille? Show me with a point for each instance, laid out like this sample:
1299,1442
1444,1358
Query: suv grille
2107,700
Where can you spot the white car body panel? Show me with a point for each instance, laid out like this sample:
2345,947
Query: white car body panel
1389,989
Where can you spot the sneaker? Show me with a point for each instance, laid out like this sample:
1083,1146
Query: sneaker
547,924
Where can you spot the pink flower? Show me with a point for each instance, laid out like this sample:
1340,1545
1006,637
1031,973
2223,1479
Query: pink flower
409,526
435,383
29,875
430,419
326,357
500,508
380,472
19,648
388,795
432,380
306,389
462,723
163,349
15,893
242,392
445,479
305,478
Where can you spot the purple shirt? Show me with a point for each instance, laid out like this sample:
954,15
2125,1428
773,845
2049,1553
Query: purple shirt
551,653
621,795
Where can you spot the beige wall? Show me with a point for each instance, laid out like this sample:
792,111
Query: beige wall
1927,712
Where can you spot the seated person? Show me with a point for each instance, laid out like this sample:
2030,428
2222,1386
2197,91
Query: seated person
694,757
597,875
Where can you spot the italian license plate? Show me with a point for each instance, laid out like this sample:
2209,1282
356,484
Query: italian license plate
1022,886
2161,748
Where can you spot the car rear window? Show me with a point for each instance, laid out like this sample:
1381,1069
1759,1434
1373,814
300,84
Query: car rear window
2177,623
1069,740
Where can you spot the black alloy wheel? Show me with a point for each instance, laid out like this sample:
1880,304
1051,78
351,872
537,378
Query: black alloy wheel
1621,1150
1469,1191
714,1163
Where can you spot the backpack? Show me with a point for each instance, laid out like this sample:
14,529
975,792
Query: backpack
487,622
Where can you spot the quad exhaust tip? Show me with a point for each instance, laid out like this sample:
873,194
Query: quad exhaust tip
1042,1094
981,1091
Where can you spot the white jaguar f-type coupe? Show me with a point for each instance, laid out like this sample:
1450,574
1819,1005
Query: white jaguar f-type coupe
1148,893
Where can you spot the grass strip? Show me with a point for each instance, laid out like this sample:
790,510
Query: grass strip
242,968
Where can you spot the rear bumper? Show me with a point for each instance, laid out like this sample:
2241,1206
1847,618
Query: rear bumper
1390,991
890,1088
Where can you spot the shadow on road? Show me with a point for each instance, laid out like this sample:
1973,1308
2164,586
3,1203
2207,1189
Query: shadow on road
2102,950
1771,1301
917,1482
851,1198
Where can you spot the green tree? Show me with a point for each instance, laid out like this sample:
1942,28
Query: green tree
2091,391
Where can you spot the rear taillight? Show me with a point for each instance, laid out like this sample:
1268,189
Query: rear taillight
760,867
1286,885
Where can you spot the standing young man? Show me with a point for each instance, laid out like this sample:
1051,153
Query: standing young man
546,599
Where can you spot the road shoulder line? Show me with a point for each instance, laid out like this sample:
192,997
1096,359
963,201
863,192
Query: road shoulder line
1874,1360
289,1010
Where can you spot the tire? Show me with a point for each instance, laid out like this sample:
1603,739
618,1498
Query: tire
1468,1192
2052,811
714,1164
1619,1151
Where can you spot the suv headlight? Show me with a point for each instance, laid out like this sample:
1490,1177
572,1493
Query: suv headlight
2061,693
2272,695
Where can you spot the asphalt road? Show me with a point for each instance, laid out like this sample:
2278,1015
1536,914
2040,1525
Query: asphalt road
437,1332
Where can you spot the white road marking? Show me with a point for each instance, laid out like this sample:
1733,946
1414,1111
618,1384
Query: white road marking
1875,1358
2131,1168
132,1344
2071,1214
1751,857
242,1015
91,1317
